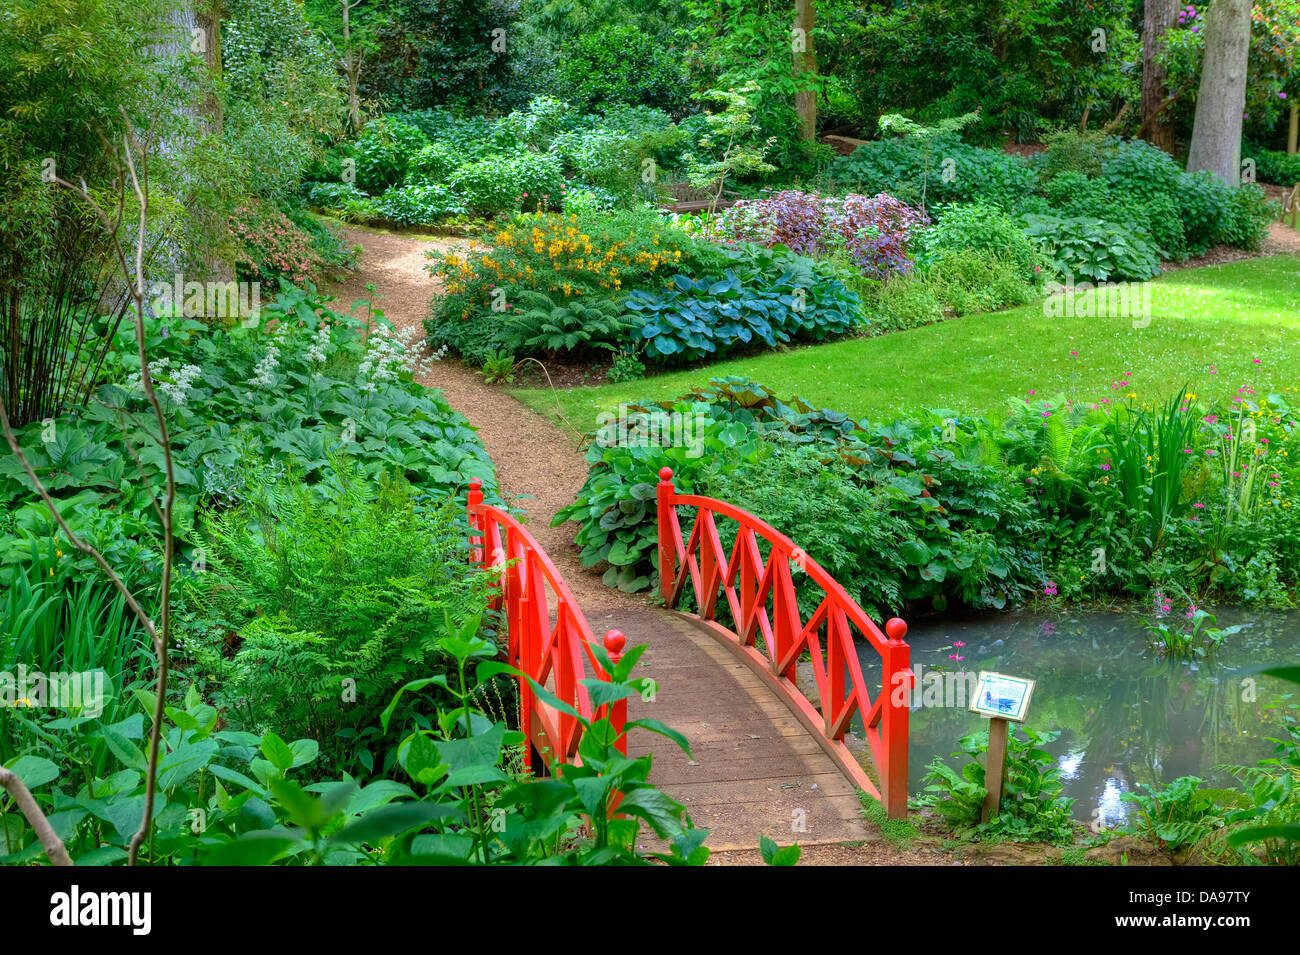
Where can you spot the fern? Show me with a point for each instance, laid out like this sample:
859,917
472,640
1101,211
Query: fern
576,326
331,593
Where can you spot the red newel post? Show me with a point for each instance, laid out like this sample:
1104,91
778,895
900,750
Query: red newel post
614,643
476,554
898,687
667,544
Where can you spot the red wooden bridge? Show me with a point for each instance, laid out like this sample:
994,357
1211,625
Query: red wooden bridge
766,694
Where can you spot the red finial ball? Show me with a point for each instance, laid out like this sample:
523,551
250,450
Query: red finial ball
476,484
665,474
614,642
896,628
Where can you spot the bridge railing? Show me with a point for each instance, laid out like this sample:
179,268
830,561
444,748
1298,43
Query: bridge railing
760,595
549,638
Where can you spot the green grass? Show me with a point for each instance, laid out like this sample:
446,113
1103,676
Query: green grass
1209,328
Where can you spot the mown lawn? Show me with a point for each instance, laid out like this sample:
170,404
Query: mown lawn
1215,329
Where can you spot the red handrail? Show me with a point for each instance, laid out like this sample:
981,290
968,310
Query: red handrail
528,585
747,583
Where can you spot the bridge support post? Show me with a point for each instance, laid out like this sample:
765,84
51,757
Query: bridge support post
667,543
472,509
897,687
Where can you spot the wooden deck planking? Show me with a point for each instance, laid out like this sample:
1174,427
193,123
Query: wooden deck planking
754,770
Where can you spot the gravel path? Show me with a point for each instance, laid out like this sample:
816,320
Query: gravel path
539,465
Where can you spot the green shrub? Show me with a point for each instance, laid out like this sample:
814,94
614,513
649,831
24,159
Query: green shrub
505,183
475,340
1032,808
836,517
977,226
962,528
1274,166
622,64
384,151
615,508
588,200
1211,211
957,172
1093,248
1074,195
1250,213
978,280
537,125
904,301
433,164
418,204
1176,816
467,138
1072,151
625,367
613,157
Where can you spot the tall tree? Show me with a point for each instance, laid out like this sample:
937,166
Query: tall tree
349,30
1158,17
1216,132
805,62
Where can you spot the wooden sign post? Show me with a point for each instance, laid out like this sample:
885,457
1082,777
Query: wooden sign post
995,766
1004,700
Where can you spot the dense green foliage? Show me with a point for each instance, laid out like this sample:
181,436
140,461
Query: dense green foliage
1031,808
1184,498
232,797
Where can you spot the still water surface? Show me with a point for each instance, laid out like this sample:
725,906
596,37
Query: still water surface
1126,717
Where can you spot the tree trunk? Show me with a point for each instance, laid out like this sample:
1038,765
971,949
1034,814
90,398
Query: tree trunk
1293,132
1216,133
1158,17
351,66
805,61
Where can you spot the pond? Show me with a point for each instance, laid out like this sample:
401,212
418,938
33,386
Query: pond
1126,716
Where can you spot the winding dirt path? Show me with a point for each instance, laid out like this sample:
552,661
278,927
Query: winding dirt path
539,466
739,730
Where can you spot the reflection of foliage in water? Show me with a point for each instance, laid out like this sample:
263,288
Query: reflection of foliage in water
1126,717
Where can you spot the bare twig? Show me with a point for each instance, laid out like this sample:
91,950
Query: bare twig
50,841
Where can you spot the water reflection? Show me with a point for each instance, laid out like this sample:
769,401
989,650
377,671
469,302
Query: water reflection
1126,716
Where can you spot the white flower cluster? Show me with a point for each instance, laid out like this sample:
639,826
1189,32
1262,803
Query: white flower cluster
390,350
265,370
318,350
174,384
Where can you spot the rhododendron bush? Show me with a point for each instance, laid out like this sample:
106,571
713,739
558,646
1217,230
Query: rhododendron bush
268,244
876,232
